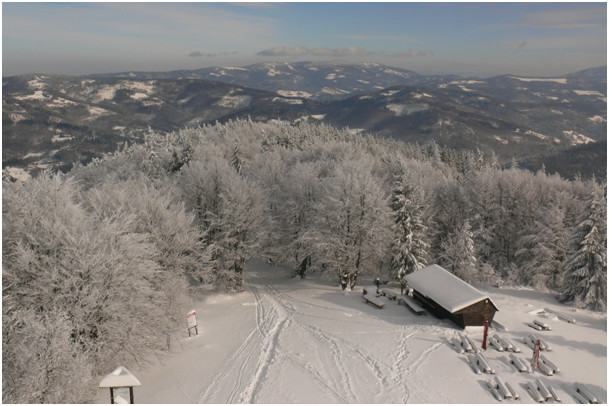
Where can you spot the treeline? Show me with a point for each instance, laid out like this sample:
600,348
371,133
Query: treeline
99,265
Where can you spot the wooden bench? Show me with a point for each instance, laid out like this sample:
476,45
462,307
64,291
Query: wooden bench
374,301
410,302
389,294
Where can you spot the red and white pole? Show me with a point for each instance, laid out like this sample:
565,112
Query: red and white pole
535,363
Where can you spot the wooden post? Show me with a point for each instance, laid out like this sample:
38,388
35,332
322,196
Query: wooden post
131,400
111,396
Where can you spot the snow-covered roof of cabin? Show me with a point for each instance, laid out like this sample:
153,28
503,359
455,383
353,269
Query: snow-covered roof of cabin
119,378
446,289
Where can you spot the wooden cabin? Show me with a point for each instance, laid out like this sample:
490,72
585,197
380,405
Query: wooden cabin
447,296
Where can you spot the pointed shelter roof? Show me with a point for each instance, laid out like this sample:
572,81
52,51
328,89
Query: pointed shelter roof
119,378
446,289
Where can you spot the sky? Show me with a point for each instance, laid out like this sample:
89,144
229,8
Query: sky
468,39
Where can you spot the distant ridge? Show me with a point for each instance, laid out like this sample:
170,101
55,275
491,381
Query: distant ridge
52,121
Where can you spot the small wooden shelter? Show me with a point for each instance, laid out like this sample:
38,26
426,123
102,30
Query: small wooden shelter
447,296
120,378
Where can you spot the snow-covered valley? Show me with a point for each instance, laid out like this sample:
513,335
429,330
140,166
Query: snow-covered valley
287,340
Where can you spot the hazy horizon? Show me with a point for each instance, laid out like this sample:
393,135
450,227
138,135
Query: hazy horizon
468,39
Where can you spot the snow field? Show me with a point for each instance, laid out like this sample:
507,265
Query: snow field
288,340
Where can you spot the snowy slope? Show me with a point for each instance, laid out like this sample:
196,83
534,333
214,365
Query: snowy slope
288,340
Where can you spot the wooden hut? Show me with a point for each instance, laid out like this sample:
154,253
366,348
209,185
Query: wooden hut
447,296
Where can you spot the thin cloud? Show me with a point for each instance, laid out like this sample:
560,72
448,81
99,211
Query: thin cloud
298,51
284,51
349,51
197,54
413,53
593,17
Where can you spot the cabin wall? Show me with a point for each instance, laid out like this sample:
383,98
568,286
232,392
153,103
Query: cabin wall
473,315
433,307
478,313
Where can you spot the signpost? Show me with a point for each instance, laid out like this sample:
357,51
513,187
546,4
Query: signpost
191,320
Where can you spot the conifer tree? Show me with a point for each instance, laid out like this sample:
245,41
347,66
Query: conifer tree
585,272
458,254
236,160
543,251
409,249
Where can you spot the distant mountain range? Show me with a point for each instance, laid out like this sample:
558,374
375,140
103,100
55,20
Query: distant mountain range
54,121
318,81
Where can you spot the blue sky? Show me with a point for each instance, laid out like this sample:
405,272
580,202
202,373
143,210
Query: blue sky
469,39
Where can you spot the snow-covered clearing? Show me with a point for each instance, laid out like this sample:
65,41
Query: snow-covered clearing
234,102
294,93
407,109
288,340
288,101
555,80
577,138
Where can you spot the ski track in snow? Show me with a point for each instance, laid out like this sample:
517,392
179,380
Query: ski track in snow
281,320
307,342
399,373
252,364
344,351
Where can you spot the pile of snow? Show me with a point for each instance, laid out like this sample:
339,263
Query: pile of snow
287,340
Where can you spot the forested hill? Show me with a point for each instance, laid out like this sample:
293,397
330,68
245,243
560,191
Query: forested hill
99,264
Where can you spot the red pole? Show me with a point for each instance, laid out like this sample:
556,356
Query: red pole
486,326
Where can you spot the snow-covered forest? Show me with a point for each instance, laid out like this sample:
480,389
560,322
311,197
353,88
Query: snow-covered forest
100,264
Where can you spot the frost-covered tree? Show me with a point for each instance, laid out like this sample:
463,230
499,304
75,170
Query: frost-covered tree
450,209
544,251
458,254
353,221
301,191
41,363
229,210
93,278
156,213
585,272
409,249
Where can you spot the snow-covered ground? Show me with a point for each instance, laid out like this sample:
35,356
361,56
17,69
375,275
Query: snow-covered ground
287,340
